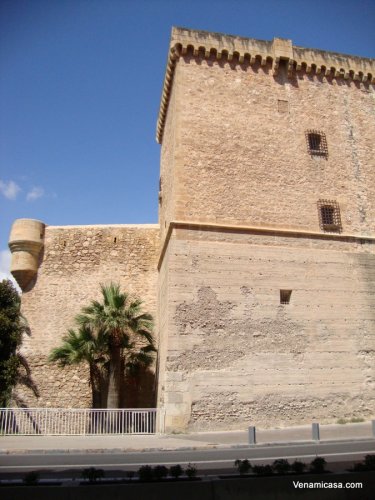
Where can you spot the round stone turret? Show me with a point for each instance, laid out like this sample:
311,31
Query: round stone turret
25,243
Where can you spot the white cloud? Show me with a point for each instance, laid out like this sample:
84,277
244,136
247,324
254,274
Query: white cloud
35,193
5,258
9,189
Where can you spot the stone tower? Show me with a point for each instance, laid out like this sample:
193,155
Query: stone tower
261,271
267,221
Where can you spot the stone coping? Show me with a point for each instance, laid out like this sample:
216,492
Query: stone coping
271,231
104,226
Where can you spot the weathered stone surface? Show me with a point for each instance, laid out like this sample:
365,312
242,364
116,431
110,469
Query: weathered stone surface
243,192
245,357
251,163
75,261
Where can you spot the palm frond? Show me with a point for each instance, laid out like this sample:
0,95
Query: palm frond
80,346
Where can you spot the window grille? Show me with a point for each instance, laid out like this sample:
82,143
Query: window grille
329,216
285,296
317,143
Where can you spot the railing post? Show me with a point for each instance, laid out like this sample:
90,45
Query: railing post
252,435
373,427
45,421
6,421
315,432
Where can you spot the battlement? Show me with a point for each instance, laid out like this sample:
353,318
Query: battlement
250,51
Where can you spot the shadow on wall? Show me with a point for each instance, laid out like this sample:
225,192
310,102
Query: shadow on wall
138,389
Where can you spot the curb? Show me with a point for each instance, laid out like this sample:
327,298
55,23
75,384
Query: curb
78,451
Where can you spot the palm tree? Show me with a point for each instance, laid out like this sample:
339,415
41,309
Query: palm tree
122,320
85,346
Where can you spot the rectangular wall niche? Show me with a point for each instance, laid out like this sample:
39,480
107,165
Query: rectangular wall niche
282,106
285,296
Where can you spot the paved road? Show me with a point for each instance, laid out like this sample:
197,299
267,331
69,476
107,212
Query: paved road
209,460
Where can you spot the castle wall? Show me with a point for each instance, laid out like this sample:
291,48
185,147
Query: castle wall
164,308
243,155
169,157
236,356
75,260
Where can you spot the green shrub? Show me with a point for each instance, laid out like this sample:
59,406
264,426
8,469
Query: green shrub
367,464
342,421
176,471
318,465
145,473
160,471
31,477
243,466
370,462
191,471
298,467
281,466
11,328
262,470
92,474
358,467
353,420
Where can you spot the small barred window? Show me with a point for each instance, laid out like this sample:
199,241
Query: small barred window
317,143
329,216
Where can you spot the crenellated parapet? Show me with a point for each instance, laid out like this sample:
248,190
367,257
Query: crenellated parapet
26,242
262,52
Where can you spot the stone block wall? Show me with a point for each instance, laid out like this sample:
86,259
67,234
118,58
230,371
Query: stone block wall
169,152
244,223
236,356
74,261
241,154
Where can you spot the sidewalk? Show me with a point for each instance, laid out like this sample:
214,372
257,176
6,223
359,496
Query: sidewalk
197,440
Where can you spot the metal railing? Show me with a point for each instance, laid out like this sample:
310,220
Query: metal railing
80,422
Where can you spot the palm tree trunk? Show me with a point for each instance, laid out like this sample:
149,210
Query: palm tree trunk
114,382
95,386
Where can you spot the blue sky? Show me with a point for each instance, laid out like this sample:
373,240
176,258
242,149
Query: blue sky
80,88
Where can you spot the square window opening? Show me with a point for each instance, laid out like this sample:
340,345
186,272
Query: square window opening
282,106
285,296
